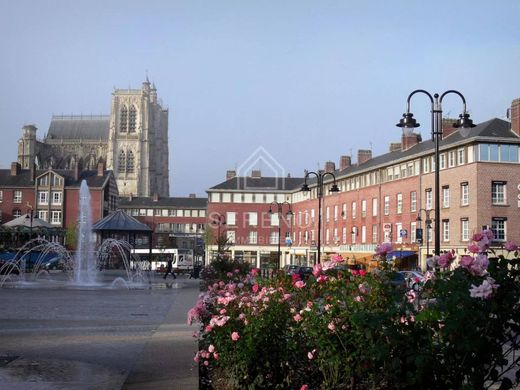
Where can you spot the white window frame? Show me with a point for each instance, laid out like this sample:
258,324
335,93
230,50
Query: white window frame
413,201
56,217
446,230
498,193
451,159
386,206
231,218
363,208
43,197
499,227
374,207
428,199
17,196
253,218
464,194
399,206
461,157
445,197
464,229
252,237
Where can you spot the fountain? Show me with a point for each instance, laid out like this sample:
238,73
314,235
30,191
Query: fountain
81,270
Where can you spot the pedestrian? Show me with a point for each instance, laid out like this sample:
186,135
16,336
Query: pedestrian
169,269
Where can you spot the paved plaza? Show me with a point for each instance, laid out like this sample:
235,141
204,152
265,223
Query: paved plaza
63,338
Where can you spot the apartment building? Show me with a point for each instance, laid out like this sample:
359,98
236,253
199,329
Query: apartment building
386,198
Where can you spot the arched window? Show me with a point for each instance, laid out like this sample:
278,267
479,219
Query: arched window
122,161
132,119
130,162
123,120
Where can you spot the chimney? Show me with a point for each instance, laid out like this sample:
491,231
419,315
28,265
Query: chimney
344,162
15,168
330,166
230,175
407,141
363,156
155,197
33,171
76,172
192,196
395,147
515,116
447,127
100,168
256,174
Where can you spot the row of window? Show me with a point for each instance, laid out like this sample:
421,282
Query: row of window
241,197
126,161
56,197
180,227
166,212
127,119
55,180
55,215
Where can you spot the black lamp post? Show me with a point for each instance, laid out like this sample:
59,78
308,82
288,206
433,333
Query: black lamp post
408,123
219,222
289,213
30,217
320,176
428,222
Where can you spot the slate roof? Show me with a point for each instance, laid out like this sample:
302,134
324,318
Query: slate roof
173,202
120,221
85,127
258,184
493,130
23,179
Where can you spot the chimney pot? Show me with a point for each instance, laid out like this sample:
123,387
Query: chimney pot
192,196
330,166
15,169
345,162
256,173
364,155
230,174
515,116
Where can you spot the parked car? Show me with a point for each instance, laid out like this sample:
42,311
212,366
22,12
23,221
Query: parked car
414,279
290,269
398,280
55,263
304,272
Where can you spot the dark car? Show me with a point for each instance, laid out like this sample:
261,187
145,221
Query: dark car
290,269
304,272
398,280
55,263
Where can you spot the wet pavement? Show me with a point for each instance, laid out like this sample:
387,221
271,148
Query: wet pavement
59,338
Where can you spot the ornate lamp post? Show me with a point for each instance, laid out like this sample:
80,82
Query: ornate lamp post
428,222
408,123
289,213
320,176
220,221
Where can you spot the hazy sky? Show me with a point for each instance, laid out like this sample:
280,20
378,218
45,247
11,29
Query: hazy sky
306,80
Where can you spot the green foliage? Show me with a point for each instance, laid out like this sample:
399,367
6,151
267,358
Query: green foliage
350,331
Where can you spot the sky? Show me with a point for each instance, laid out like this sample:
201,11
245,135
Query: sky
278,86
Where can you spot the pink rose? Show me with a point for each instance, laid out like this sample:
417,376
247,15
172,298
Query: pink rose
254,272
297,317
316,270
331,326
337,258
235,336
466,261
299,284
255,288
215,355
322,278
362,272
473,248
304,387
211,348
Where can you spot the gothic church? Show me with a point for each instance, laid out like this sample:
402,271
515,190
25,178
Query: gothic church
132,141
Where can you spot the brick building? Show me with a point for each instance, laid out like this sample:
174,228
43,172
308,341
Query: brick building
381,198
53,194
177,222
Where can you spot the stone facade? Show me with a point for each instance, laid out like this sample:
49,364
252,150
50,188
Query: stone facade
132,141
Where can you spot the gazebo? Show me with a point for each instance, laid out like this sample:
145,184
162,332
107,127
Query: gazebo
121,226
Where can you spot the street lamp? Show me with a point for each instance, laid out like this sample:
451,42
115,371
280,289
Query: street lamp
320,176
30,217
279,212
408,123
428,222
219,222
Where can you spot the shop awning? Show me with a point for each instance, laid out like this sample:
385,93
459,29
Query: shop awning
399,254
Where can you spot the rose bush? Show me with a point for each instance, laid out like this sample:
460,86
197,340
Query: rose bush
350,329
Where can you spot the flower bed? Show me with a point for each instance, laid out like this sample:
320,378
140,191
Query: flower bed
353,330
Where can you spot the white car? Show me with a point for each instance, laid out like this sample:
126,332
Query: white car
414,279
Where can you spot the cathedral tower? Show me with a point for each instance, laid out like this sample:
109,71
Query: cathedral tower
27,147
138,142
